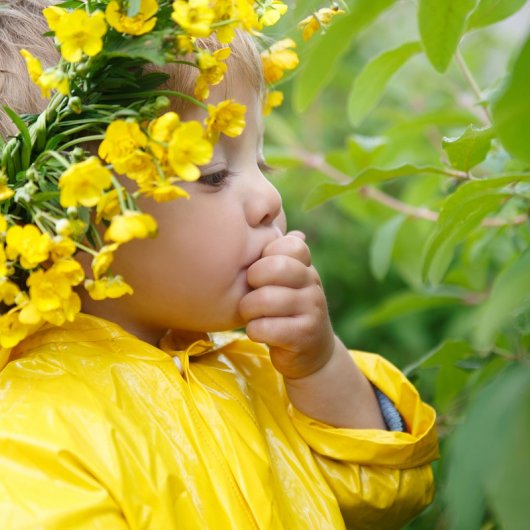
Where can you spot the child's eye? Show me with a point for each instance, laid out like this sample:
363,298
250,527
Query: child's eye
216,179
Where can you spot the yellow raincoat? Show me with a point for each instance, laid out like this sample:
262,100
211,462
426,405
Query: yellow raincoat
99,430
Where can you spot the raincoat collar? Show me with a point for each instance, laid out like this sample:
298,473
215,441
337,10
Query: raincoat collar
88,328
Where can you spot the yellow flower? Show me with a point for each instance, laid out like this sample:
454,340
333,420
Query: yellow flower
278,58
8,291
194,17
317,20
53,16
160,131
12,331
212,70
163,191
51,295
46,80
107,288
122,139
137,166
130,225
228,117
5,192
225,10
274,99
69,269
247,15
189,148
47,290
140,24
53,80
79,32
272,13
108,206
29,243
102,262
3,262
83,183
3,224
61,247
33,65
185,44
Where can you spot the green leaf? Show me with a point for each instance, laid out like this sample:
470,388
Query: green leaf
403,304
491,11
372,175
150,48
450,381
482,449
383,245
507,484
469,149
462,212
26,137
326,54
441,25
371,82
509,291
448,352
511,111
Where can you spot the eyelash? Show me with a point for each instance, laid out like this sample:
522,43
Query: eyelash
218,178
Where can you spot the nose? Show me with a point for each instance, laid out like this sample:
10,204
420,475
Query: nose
264,202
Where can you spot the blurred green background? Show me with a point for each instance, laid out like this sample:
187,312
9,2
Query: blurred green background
439,282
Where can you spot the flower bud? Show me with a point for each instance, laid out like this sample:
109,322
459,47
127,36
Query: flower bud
32,174
72,212
75,104
63,227
78,154
30,188
161,103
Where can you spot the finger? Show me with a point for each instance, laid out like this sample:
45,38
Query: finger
272,301
289,245
280,270
296,233
275,331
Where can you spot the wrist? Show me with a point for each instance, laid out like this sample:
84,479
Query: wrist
319,363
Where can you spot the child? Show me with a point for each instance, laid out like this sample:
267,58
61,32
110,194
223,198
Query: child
111,422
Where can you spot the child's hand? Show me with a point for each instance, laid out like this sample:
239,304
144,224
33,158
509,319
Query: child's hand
287,308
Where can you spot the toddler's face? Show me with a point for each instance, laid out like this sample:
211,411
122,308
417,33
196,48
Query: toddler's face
193,275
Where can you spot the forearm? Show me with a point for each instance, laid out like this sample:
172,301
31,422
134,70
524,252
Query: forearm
338,394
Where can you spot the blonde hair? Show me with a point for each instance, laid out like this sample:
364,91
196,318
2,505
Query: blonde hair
22,25
244,64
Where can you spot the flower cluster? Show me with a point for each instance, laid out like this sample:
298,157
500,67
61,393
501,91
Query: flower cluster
57,196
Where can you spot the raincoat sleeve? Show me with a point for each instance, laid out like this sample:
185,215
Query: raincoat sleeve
381,479
49,476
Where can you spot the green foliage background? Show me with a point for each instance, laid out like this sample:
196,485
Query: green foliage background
404,148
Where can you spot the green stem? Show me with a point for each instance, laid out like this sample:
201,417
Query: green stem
82,140
119,189
88,250
57,156
472,83
160,93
